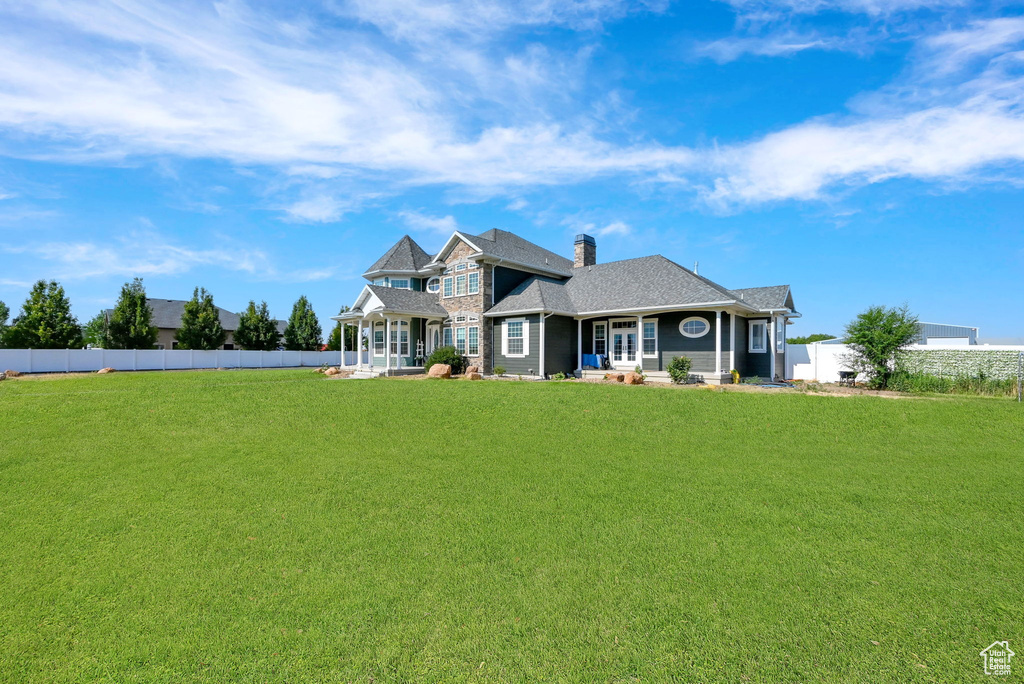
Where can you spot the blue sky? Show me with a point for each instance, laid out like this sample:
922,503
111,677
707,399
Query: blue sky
864,152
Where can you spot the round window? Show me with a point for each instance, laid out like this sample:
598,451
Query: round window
695,326
434,285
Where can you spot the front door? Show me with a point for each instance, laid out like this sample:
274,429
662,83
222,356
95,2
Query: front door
624,344
433,337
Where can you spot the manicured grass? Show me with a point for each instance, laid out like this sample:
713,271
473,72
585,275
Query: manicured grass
278,526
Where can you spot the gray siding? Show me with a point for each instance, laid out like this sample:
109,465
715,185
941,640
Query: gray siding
527,365
753,364
506,280
560,345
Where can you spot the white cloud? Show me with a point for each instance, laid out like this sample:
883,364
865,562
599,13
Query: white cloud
318,209
613,228
444,225
773,45
517,204
764,8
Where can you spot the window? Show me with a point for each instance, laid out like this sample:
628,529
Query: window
474,341
474,283
758,330
460,340
447,337
600,338
383,282
460,285
434,285
694,326
448,286
516,339
402,284
460,267
399,336
650,347
229,347
780,334
474,265
378,339
619,325
460,318
473,318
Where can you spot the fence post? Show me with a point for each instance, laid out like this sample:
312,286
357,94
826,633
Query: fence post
30,360
67,360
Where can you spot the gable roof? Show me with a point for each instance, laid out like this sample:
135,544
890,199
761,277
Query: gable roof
405,256
167,313
509,247
536,294
772,297
394,300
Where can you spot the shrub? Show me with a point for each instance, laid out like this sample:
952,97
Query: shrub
752,380
499,370
449,356
903,381
559,376
679,368
877,337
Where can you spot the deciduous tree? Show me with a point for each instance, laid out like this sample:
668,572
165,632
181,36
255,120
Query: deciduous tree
130,325
876,338
334,341
95,331
256,329
200,323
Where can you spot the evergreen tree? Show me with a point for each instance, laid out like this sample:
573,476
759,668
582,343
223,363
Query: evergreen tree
95,331
303,332
45,321
256,329
200,323
334,341
130,325
4,313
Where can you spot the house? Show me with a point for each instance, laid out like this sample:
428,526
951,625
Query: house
167,315
940,333
504,301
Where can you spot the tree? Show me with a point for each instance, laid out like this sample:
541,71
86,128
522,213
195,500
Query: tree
130,325
351,333
809,339
4,313
45,321
876,338
95,333
303,332
256,329
200,323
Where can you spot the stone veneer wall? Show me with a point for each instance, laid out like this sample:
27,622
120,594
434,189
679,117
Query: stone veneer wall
477,304
971,361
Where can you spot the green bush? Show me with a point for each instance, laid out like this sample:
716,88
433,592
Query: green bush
499,370
679,368
904,381
559,376
449,356
752,380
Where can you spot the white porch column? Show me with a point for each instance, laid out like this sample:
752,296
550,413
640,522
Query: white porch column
342,325
640,340
359,343
540,371
398,345
732,341
771,346
718,342
579,345
387,343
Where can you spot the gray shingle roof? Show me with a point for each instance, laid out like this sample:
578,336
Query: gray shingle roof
502,244
633,284
167,315
408,301
405,255
773,297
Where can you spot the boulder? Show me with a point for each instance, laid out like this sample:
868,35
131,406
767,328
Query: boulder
103,371
614,377
12,373
472,369
331,371
473,376
440,370
633,379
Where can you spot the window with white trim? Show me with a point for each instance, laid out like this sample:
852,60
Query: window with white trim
460,285
447,337
694,326
758,332
434,285
780,334
473,265
600,338
460,267
515,337
474,341
474,282
378,339
400,338
460,318
400,284
473,318
460,340
448,287
650,342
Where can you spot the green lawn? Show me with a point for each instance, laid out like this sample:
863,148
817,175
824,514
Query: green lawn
279,526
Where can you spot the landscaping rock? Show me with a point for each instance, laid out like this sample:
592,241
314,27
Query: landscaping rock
440,370
331,371
473,376
472,369
614,377
103,371
633,379
12,373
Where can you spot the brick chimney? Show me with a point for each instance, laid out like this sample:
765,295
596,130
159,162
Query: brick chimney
586,251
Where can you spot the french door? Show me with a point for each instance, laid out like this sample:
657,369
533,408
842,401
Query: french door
624,344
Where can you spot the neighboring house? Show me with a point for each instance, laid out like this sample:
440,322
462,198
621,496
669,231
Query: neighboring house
504,301
167,315
939,333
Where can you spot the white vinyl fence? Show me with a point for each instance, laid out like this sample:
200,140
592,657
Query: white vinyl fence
822,362
79,360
